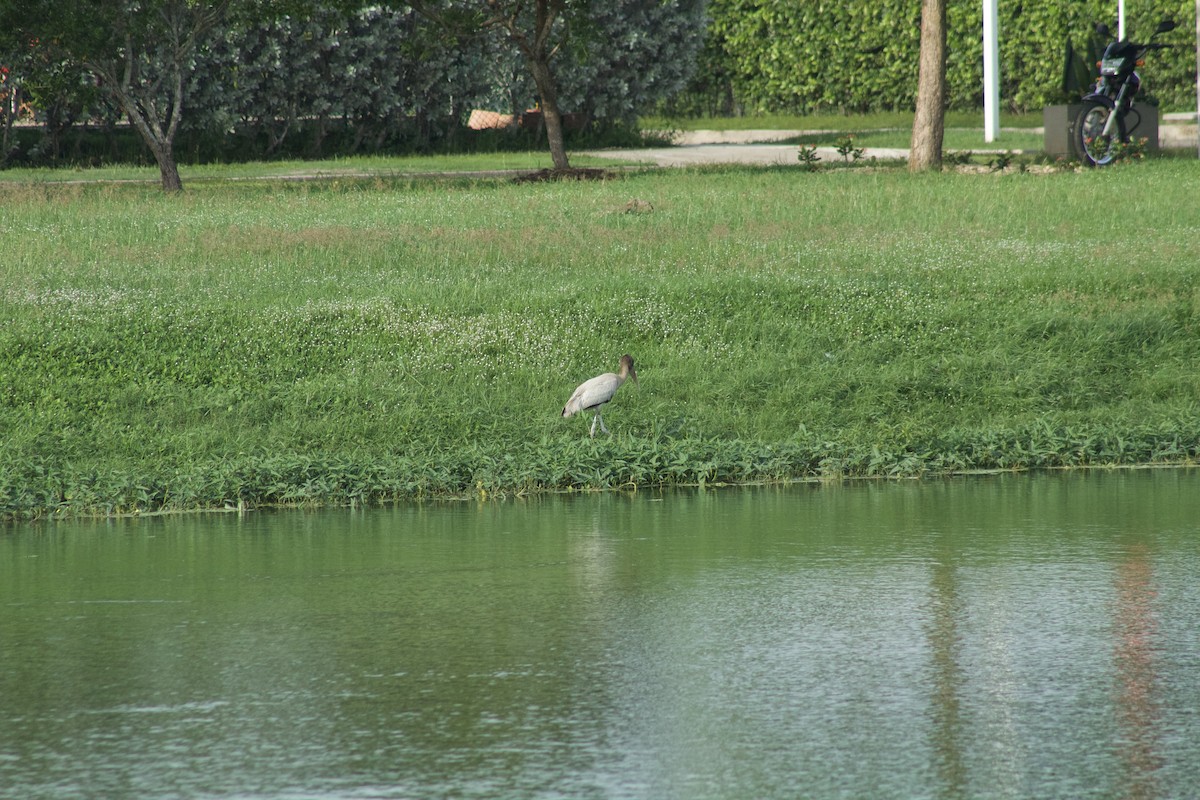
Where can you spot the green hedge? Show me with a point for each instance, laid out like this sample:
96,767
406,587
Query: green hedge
806,56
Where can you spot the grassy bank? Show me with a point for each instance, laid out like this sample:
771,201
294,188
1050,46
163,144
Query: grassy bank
347,341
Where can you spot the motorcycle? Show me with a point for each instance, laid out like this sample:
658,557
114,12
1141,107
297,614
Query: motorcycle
1100,127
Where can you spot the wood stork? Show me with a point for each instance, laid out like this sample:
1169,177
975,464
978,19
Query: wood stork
597,391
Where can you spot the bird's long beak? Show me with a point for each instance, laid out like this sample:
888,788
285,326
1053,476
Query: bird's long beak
633,374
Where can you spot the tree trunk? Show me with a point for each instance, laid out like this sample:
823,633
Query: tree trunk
12,102
169,170
536,47
537,52
548,93
138,93
929,122
161,143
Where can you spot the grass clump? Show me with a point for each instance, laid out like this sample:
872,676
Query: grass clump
367,341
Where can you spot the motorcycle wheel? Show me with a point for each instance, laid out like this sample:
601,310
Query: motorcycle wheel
1091,145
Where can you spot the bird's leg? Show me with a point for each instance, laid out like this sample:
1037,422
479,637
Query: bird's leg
606,430
593,433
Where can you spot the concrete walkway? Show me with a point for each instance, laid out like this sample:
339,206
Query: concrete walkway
695,148
690,155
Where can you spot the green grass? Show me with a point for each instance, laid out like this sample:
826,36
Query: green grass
386,166
372,340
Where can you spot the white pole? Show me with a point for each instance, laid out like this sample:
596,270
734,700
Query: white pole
1120,20
991,71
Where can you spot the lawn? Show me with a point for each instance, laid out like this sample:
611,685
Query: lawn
417,166
366,341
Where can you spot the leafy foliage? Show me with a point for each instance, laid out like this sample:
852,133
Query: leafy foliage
307,78
386,73
807,56
627,55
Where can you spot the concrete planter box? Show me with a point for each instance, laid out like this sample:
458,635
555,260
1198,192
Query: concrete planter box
1058,122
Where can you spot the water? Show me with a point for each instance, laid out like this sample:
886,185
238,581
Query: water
995,637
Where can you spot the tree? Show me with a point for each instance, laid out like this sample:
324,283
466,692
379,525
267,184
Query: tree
538,29
930,120
601,59
139,52
10,86
537,42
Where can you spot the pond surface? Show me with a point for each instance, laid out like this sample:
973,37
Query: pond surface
1008,636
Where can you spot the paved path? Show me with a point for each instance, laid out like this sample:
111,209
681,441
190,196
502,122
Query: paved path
696,148
687,155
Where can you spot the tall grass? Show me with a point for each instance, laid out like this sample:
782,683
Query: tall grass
363,341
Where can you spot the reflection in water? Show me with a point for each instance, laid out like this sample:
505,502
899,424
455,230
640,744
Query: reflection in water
1005,637
947,680
1137,710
